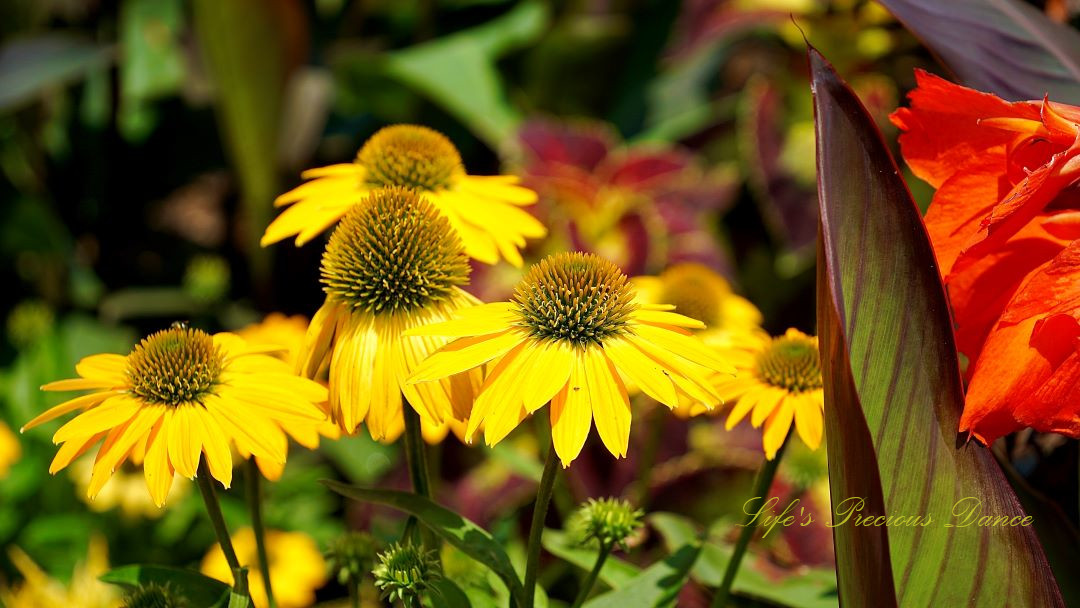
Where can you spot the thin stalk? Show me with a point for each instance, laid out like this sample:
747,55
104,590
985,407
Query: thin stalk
590,581
543,499
254,500
416,458
354,593
213,511
761,489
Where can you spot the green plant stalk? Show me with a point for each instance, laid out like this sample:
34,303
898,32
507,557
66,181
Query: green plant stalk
543,499
416,459
590,581
762,484
254,500
217,520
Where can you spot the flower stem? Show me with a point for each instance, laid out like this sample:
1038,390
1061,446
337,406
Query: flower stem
543,499
213,511
414,453
761,488
590,581
254,500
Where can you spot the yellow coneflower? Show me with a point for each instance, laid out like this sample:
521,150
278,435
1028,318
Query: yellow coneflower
572,335
297,567
699,292
392,264
179,395
486,211
778,382
286,333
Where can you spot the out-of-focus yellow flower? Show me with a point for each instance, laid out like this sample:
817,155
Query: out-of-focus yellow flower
486,211
778,382
38,590
126,491
10,450
297,568
698,292
179,395
570,335
287,333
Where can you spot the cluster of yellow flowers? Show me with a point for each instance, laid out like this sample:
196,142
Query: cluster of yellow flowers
399,334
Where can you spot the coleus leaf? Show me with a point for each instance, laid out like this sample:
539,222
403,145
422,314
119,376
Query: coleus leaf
894,393
1004,46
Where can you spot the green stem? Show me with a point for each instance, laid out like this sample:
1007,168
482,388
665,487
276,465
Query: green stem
213,511
543,499
414,453
590,581
354,593
761,488
254,500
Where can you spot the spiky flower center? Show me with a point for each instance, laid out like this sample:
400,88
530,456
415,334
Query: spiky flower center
409,155
155,596
174,366
404,571
393,253
607,521
578,298
790,362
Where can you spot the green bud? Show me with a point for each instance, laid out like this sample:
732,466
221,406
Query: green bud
154,595
206,278
351,556
28,321
606,521
404,572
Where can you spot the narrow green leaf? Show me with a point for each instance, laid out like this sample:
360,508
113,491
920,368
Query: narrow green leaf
198,589
458,71
445,594
894,394
615,572
28,66
657,586
1005,46
455,529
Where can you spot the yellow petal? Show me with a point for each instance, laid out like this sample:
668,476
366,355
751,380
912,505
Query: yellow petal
495,390
610,403
105,367
77,403
548,374
184,439
505,394
776,428
109,414
215,445
808,420
76,384
156,468
687,347
767,402
645,372
571,416
666,318
463,354
72,450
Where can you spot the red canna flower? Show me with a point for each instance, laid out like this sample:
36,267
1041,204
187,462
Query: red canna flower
1004,223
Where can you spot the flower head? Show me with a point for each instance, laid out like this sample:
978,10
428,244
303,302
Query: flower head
404,572
393,263
155,596
351,556
486,211
1004,224
297,569
605,521
778,382
572,335
180,394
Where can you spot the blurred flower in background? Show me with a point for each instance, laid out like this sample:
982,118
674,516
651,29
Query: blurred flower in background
84,590
297,568
10,450
126,490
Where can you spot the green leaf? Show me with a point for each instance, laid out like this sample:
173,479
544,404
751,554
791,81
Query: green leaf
810,588
28,66
200,590
458,71
615,572
1005,46
656,586
445,594
455,529
893,393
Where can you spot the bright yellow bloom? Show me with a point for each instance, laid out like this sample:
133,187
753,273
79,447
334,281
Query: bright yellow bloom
695,290
287,333
778,382
392,264
10,450
126,490
297,568
180,394
486,211
573,335
83,591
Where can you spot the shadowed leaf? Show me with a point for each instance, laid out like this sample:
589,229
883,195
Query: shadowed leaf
28,66
196,588
1004,46
894,394
658,585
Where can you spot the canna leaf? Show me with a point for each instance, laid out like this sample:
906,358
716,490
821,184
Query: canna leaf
894,393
